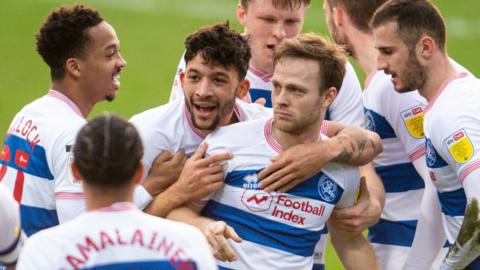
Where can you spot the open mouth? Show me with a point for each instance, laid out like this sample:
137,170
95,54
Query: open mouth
204,110
270,47
116,80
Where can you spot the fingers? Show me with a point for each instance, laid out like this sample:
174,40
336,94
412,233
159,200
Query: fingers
217,236
230,233
290,185
261,101
179,157
275,166
285,180
276,176
346,213
163,156
202,149
217,158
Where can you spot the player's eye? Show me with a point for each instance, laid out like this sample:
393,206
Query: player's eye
193,77
268,19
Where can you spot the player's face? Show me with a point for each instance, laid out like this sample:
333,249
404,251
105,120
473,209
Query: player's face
101,64
398,60
335,32
266,27
210,91
297,103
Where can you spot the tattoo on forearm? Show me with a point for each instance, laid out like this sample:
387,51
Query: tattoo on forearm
353,147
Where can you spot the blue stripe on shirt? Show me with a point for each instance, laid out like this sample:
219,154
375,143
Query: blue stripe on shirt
400,177
308,189
145,265
398,233
379,124
37,161
453,203
35,219
256,93
264,231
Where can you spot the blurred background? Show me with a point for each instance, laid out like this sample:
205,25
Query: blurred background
151,33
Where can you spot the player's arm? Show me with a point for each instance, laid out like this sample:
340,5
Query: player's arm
366,212
466,247
352,248
349,144
199,177
354,251
216,232
164,171
429,235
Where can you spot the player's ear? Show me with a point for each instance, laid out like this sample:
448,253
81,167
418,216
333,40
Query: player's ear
137,177
75,172
425,47
241,13
243,89
338,16
182,78
72,67
329,96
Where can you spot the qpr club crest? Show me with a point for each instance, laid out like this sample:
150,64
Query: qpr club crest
327,189
431,155
369,121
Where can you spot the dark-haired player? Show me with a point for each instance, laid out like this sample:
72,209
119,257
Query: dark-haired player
114,233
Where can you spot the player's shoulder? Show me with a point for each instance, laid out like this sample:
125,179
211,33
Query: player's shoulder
164,119
241,130
250,111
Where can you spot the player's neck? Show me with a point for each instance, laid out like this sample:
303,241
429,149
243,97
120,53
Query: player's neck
100,198
75,95
266,68
439,70
365,53
287,140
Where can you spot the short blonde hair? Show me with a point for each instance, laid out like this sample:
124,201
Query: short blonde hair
330,57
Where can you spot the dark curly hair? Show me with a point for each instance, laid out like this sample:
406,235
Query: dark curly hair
108,151
219,44
63,35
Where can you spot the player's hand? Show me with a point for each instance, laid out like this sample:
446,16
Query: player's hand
357,218
293,166
201,176
261,101
166,169
217,234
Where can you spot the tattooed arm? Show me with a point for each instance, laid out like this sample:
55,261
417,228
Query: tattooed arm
349,144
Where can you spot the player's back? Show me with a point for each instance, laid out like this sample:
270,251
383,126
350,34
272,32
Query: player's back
117,237
32,164
280,230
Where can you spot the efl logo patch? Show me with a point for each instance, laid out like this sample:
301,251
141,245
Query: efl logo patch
413,119
327,189
460,146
